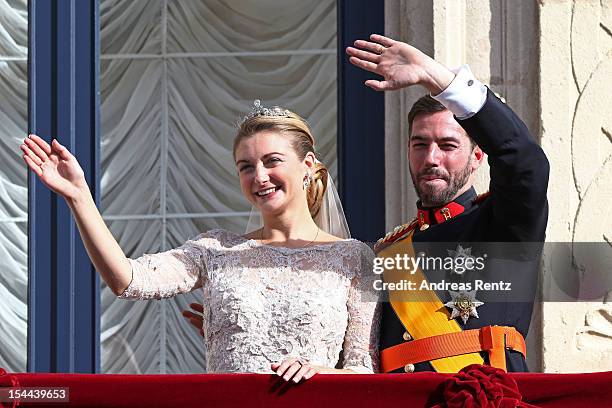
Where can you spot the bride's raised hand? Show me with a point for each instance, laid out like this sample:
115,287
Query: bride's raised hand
54,165
60,171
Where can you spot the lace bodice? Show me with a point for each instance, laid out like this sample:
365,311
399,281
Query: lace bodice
264,303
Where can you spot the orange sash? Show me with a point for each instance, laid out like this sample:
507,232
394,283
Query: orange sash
420,311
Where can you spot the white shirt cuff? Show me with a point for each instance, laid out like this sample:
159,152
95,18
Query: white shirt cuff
465,95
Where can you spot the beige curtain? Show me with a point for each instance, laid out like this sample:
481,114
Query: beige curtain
13,184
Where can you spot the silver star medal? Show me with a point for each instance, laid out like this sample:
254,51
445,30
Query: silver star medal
460,252
464,305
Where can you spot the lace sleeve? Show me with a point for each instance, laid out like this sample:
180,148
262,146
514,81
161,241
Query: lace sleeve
165,274
360,348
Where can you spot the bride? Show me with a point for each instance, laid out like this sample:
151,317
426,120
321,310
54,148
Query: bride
288,297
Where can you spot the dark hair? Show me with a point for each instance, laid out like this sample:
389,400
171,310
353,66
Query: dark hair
427,104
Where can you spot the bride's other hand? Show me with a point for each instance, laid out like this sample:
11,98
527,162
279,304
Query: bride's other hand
54,165
294,369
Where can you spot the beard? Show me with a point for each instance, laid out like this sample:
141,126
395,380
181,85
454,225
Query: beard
434,196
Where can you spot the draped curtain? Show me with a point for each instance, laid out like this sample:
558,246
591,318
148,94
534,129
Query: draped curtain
176,76
13,184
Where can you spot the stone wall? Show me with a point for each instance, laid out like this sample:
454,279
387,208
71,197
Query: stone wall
575,70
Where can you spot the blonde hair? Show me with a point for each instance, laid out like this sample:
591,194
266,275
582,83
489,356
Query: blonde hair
294,126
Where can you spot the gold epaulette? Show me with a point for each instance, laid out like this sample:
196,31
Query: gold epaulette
398,232
481,197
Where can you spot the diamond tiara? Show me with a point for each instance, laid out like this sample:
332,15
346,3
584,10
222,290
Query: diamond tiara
259,110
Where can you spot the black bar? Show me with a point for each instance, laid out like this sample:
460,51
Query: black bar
63,292
361,125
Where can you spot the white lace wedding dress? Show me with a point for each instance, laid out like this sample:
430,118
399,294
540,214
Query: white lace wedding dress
265,303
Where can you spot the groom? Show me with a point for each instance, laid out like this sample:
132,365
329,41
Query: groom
450,131
450,326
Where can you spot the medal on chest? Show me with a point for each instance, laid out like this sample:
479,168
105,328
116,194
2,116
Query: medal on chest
463,304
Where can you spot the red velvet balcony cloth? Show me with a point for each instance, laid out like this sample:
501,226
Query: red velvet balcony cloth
258,390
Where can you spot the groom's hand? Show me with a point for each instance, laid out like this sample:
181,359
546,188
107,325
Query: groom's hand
196,319
401,65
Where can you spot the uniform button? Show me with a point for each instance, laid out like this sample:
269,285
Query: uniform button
424,227
407,336
470,82
409,368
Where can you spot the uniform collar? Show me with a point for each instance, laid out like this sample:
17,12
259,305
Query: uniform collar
438,215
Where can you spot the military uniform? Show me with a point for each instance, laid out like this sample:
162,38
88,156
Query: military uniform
515,210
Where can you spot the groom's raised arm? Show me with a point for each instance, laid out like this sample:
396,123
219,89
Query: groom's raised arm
401,65
519,168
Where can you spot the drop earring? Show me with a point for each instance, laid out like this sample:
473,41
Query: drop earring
307,181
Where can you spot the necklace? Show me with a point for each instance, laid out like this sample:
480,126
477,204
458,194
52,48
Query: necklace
302,246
